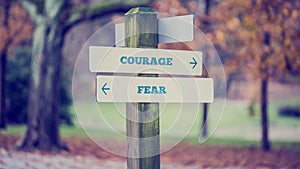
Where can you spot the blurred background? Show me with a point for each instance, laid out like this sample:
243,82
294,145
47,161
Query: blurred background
258,42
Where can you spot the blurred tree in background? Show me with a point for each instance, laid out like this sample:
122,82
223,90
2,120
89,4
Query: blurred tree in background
52,21
201,10
257,39
262,37
17,88
17,85
15,28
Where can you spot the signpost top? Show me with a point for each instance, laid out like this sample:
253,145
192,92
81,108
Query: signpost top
140,10
141,28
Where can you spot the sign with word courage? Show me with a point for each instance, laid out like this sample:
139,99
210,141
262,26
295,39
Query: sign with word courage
141,60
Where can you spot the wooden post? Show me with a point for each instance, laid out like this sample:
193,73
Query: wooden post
142,123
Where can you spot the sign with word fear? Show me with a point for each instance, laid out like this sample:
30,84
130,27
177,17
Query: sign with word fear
151,89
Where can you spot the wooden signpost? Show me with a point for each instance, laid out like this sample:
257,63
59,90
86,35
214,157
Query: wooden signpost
138,23
145,90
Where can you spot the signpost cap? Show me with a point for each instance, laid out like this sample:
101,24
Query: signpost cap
140,10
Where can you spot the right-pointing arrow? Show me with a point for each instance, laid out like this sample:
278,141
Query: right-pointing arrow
194,62
105,88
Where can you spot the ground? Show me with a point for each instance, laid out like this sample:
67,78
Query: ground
85,154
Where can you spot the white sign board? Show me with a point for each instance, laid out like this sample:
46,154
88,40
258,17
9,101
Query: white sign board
141,60
176,29
170,30
148,89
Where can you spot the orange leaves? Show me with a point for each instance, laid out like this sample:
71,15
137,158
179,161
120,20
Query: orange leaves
295,14
173,7
233,24
3,37
220,37
192,5
18,28
244,25
239,27
287,42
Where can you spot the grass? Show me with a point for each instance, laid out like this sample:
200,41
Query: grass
238,142
235,128
74,131
16,129
66,131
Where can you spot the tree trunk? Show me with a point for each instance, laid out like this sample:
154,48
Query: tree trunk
229,82
43,119
207,7
264,114
205,74
49,116
5,5
264,96
2,90
204,121
48,39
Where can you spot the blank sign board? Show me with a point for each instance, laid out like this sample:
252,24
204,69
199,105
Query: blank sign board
176,29
170,30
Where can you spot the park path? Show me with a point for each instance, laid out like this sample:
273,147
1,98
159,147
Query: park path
25,160
86,154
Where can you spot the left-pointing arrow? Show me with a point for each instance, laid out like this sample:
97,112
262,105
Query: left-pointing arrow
104,88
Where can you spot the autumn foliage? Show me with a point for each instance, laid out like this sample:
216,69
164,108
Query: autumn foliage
238,29
262,36
16,28
256,39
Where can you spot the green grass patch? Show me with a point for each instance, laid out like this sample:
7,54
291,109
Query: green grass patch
238,142
66,131
73,131
235,128
17,130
